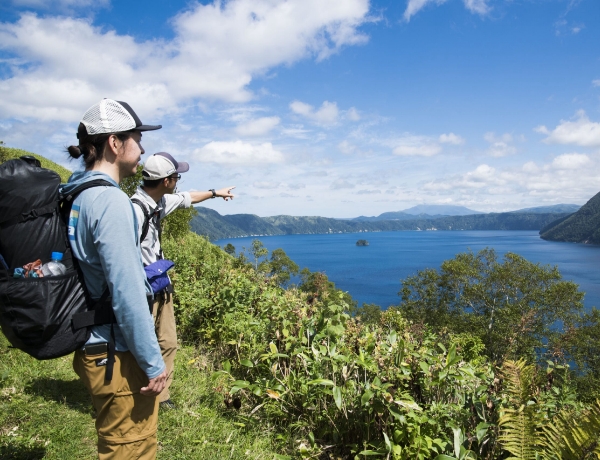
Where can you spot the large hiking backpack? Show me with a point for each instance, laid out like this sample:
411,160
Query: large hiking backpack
51,316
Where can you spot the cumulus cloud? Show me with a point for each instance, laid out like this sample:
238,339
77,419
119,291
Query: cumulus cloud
580,131
500,146
352,114
451,138
570,177
480,7
341,184
258,126
327,114
238,152
416,146
217,50
571,161
477,6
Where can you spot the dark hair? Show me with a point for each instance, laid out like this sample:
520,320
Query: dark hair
152,183
91,146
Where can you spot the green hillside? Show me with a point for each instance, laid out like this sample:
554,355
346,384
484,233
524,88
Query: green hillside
582,226
214,226
9,153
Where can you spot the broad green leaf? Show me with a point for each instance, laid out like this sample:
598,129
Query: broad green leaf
226,365
481,431
246,362
366,397
241,383
321,382
457,441
392,337
452,358
371,453
424,367
273,348
397,415
388,444
337,396
444,457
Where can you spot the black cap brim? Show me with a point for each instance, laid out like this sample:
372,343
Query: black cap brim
147,127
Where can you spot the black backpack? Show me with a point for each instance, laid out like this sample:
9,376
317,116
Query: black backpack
51,316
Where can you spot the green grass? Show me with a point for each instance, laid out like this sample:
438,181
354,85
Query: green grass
45,413
8,153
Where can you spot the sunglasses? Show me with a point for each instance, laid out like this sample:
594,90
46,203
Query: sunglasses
177,177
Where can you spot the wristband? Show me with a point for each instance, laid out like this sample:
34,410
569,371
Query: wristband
214,194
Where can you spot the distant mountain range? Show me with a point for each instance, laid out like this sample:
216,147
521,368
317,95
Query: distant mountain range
433,211
582,226
215,226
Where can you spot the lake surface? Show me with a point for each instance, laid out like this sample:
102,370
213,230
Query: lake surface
372,274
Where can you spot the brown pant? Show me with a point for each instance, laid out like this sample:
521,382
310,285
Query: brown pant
166,333
126,421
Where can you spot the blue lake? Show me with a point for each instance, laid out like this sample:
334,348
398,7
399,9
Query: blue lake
372,274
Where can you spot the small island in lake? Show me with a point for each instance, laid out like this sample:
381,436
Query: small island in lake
362,243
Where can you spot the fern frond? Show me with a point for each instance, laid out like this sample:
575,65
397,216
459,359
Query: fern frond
573,436
519,424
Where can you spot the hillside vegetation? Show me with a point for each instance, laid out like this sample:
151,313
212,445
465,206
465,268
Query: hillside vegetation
580,227
467,366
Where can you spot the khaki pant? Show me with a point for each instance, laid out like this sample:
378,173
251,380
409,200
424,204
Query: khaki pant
166,333
126,420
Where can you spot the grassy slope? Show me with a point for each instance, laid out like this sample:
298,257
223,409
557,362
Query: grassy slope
8,153
45,412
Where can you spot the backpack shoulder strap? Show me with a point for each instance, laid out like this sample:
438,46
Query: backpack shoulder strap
147,216
66,200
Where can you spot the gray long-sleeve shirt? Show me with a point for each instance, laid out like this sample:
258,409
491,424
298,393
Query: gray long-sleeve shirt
102,234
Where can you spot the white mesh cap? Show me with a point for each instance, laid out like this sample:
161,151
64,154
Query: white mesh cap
110,116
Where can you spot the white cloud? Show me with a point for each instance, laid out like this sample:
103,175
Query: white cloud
571,161
346,147
477,6
258,126
327,114
480,7
368,192
500,146
266,185
451,138
352,114
581,131
596,83
341,184
414,6
238,152
416,146
65,65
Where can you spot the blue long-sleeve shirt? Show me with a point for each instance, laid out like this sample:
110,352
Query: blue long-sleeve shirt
103,237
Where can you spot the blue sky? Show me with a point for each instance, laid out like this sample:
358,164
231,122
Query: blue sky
335,108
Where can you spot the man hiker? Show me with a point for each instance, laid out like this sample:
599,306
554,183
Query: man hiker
121,363
153,201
